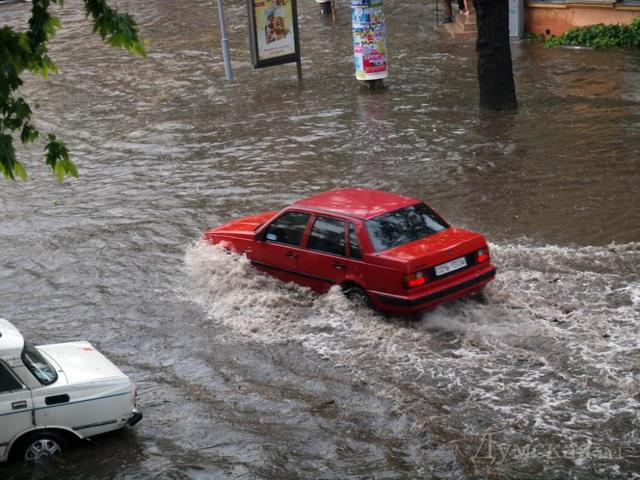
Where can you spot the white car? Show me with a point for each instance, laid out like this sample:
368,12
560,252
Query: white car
51,395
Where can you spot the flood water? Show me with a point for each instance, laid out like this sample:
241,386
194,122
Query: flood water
243,377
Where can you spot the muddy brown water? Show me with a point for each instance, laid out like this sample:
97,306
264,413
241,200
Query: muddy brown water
243,377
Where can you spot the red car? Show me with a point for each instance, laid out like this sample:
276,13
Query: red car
391,252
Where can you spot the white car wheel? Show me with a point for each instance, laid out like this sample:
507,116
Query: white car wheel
43,447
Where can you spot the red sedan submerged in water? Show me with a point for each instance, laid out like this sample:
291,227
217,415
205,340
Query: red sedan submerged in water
391,252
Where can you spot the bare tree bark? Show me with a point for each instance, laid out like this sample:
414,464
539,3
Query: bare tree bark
495,71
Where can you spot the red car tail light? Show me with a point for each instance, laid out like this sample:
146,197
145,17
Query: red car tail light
412,280
482,255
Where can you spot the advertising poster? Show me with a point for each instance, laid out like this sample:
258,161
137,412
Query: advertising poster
369,39
274,32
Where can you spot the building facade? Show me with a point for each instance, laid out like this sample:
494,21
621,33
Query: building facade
554,17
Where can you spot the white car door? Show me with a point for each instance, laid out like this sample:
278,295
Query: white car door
16,406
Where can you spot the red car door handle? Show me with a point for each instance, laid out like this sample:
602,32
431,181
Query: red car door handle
340,266
291,255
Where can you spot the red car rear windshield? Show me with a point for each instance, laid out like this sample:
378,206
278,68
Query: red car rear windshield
404,226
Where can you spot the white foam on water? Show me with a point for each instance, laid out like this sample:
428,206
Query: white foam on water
555,347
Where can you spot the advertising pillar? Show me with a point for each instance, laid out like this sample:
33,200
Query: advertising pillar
369,41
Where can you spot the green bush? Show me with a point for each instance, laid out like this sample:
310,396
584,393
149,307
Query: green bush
600,36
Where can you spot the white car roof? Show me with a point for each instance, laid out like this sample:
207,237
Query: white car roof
11,340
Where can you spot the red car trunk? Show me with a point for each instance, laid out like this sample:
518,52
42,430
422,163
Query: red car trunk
436,249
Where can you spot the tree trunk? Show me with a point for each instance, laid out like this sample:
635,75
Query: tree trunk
495,72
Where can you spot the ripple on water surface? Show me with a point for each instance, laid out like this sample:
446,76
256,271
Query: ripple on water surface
551,361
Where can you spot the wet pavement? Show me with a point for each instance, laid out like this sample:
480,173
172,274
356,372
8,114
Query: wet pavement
243,377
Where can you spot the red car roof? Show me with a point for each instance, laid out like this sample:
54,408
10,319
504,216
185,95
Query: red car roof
357,202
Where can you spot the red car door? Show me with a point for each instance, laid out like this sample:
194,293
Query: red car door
325,261
278,251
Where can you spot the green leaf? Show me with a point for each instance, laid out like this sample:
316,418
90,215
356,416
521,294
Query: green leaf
27,51
59,171
28,134
117,29
20,171
50,26
600,36
57,157
73,171
7,156
23,43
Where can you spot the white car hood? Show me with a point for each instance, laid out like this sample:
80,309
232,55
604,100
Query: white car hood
81,362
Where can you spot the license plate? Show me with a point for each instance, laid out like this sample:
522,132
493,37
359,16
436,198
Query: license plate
451,266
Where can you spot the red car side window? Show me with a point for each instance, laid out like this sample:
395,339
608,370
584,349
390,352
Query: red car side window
288,228
327,235
354,243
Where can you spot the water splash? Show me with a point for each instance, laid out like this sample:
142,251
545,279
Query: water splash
554,351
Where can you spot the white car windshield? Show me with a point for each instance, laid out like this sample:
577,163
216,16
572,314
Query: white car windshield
38,365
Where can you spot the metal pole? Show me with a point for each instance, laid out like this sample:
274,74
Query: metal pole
299,70
225,43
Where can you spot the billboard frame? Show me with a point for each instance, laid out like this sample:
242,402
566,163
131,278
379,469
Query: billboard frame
253,38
